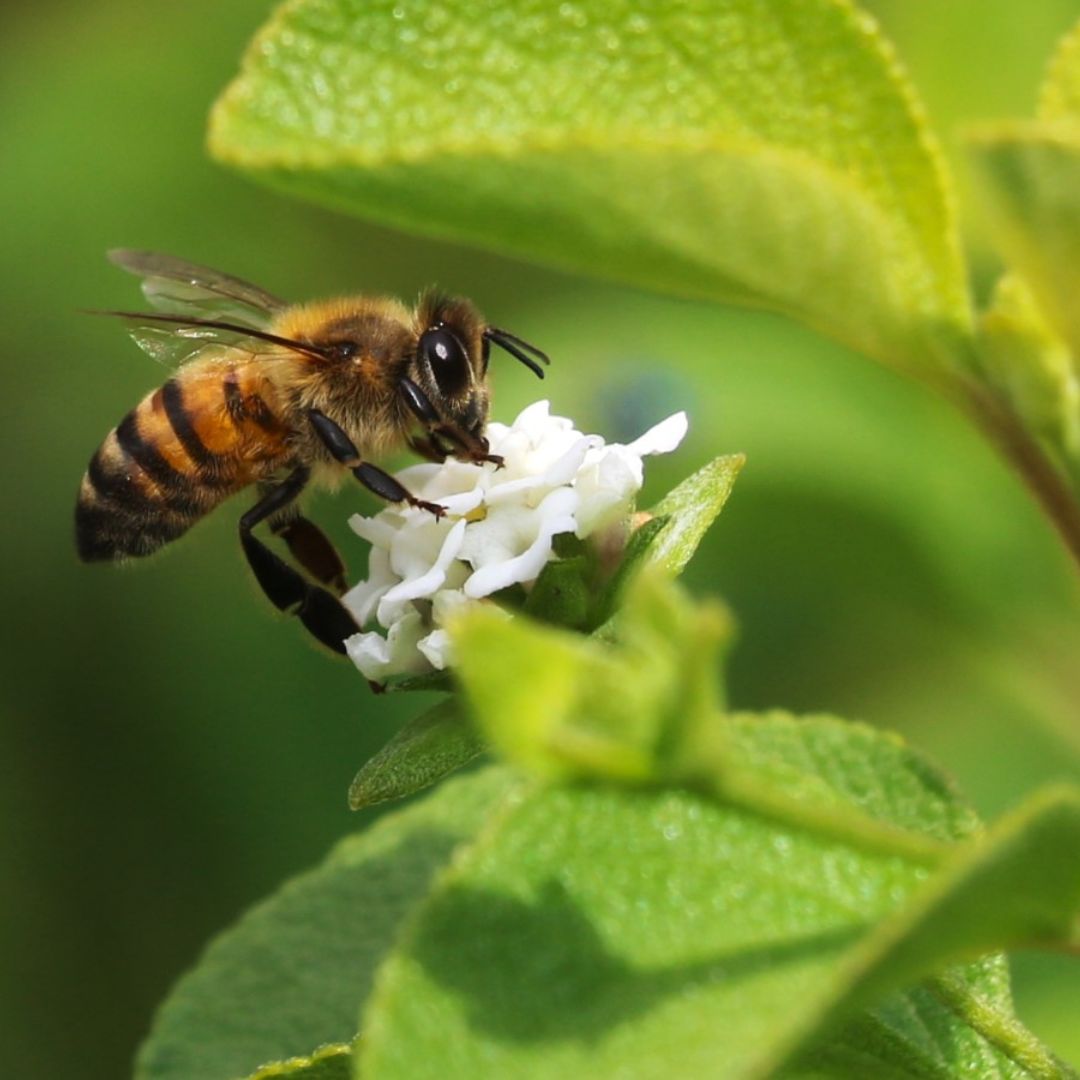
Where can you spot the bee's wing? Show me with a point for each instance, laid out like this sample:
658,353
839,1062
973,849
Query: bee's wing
176,339
182,288
178,343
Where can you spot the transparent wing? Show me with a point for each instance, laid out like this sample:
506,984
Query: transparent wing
182,288
178,344
176,339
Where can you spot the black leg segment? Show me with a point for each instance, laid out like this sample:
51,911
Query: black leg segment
471,447
418,402
429,447
371,476
312,549
288,590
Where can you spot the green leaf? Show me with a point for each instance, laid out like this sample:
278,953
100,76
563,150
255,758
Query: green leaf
426,749
291,974
329,1063
690,509
601,932
1059,98
428,682
1030,173
641,709
738,150
1017,887
673,528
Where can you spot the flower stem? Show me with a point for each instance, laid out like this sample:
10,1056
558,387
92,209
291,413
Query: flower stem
1021,449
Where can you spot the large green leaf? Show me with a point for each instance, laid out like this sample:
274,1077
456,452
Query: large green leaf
592,931
741,150
293,971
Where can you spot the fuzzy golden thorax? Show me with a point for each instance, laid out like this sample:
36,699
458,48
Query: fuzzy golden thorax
367,346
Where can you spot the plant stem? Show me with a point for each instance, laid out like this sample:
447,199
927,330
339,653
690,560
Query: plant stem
1008,1036
1021,449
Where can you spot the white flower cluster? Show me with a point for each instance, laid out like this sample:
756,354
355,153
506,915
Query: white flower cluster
497,532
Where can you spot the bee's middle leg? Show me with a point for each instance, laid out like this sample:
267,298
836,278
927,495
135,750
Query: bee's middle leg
320,611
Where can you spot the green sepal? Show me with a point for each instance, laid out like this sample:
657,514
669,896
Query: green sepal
562,594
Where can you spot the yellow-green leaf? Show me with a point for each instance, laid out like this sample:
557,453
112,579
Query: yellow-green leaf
1030,172
1059,98
739,150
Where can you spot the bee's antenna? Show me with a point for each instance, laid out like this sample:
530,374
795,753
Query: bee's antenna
519,349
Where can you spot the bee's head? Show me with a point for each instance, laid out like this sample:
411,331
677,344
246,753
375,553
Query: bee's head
446,384
449,366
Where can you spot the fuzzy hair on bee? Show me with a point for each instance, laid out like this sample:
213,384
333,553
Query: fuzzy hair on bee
273,396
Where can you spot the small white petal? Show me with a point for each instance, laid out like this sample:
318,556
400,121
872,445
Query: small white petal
532,488
461,503
362,598
447,603
662,438
416,547
378,531
429,582
534,420
378,657
436,648
553,516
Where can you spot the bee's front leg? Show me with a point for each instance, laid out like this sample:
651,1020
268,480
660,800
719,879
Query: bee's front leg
429,448
343,449
475,448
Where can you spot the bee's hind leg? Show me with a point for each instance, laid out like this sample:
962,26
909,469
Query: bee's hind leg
311,548
320,611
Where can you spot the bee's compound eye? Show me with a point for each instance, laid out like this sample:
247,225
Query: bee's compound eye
445,355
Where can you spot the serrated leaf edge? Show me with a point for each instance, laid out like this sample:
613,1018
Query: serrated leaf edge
291,1065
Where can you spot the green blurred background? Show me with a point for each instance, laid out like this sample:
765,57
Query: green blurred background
171,751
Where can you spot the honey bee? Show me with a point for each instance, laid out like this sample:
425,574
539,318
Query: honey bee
276,396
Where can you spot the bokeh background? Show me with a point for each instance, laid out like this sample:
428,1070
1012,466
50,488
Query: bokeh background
170,751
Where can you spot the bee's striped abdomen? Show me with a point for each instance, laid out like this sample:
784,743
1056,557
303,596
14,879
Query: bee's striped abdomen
172,459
